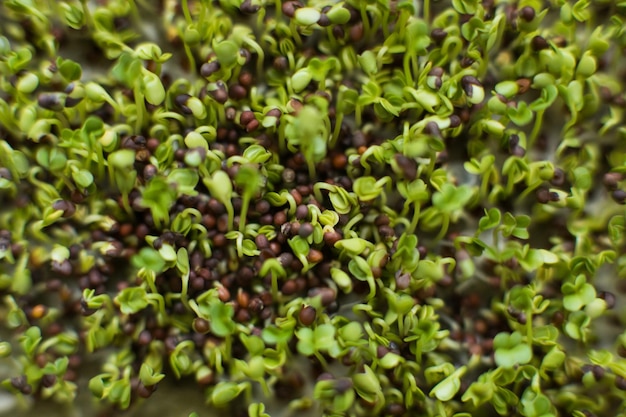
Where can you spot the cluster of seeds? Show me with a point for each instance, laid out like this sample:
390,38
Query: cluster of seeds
348,207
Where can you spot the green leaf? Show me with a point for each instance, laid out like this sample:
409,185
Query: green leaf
390,360
490,220
324,336
452,198
306,16
30,340
83,178
368,62
577,294
274,335
360,268
301,79
122,159
338,14
351,332
225,392
343,280
153,89
257,410
510,350
367,384
221,319
148,376
132,300
168,253
553,359
520,115
448,387
70,70
306,341
148,258
53,159
227,52
521,298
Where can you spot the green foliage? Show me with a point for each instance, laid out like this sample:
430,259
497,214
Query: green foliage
423,199
510,350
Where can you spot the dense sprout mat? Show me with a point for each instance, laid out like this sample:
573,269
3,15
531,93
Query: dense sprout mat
331,208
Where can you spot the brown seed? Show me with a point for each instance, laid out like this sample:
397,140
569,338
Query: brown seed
200,325
302,212
219,240
246,117
38,311
67,207
538,43
261,241
527,13
296,196
396,409
126,229
289,8
558,318
377,272
608,297
328,295
220,94
48,380
243,316
476,349
338,32
611,180
305,230
70,375
243,298
237,92
480,326
518,151
280,63
408,166
315,256
289,287
403,281
438,35
331,237
143,391
598,372
246,79
324,21
274,113
381,351
619,196
307,315
543,195
64,268
356,32
252,126
339,161
223,294
466,62
208,68
523,84
559,177
487,345
144,338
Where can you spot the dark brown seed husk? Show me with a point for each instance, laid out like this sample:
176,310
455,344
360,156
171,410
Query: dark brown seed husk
307,315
